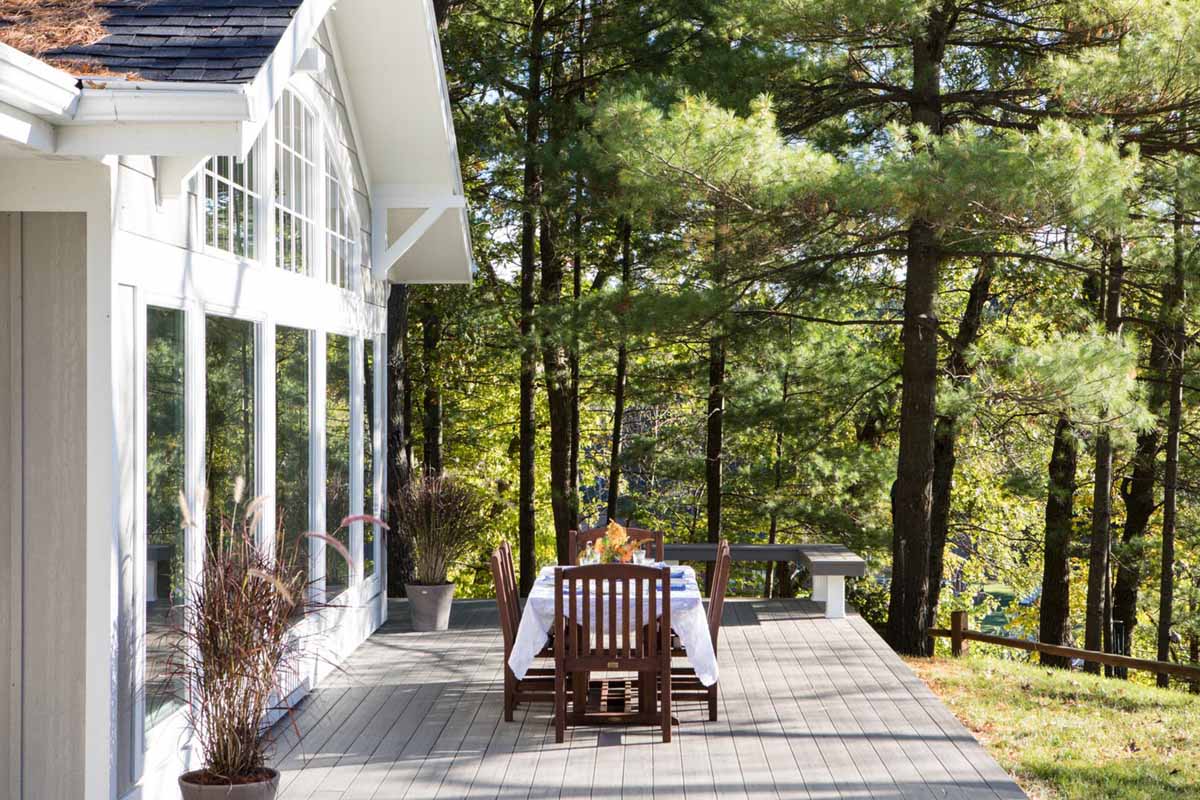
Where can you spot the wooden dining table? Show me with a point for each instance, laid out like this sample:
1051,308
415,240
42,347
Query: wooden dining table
688,621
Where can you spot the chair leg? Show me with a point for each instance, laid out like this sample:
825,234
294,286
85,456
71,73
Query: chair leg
712,703
579,693
560,706
510,694
666,702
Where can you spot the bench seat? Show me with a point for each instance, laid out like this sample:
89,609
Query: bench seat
829,565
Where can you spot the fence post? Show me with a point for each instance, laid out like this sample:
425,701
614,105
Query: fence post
958,624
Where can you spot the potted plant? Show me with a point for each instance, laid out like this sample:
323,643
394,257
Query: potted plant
442,517
231,647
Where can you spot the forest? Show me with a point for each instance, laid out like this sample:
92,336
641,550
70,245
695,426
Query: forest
912,276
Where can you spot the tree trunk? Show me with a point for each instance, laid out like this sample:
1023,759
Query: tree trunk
1137,492
908,607
1166,597
1097,622
431,429
1055,620
531,198
557,371
399,563
614,461
777,468
945,432
713,443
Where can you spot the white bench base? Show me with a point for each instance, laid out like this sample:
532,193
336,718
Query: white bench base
830,590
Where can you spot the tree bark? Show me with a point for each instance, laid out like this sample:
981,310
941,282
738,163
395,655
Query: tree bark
1055,619
1166,597
614,461
908,607
945,432
531,198
557,373
1097,622
777,469
715,412
400,563
1137,492
431,428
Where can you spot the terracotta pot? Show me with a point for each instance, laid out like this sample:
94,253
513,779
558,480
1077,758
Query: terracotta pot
430,606
259,790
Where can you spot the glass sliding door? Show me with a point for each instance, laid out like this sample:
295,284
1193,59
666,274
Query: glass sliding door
165,475
337,458
229,440
293,426
369,530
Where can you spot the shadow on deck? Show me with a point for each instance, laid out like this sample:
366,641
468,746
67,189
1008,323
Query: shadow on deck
810,707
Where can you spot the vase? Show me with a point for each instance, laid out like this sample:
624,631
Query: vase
430,606
264,789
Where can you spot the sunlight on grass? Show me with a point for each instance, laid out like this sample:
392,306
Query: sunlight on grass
1071,735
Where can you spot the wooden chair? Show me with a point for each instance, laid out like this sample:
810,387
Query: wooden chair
538,683
577,542
687,685
604,621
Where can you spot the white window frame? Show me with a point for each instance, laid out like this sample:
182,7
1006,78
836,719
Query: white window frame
206,281
257,199
311,189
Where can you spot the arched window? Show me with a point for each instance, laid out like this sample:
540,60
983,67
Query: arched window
295,166
231,203
339,227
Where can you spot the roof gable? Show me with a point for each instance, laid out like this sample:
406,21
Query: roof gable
227,41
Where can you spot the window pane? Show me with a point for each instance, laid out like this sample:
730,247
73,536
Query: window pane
222,215
292,443
165,551
369,532
229,418
337,457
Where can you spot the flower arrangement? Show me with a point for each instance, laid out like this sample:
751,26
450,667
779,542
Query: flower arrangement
616,546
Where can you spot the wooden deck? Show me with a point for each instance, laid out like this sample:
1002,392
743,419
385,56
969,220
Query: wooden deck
810,707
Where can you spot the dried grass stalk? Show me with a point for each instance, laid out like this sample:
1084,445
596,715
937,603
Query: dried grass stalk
442,517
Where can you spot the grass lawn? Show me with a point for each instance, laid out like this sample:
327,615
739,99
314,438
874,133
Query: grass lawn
1072,735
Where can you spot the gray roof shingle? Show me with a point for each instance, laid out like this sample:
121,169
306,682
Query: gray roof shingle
215,41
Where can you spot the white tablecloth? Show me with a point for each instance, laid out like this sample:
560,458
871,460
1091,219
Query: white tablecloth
687,620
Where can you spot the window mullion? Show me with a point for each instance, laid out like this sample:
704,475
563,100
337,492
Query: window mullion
316,498
266,195
357,396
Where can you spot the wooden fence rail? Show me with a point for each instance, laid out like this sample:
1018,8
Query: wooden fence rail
959,634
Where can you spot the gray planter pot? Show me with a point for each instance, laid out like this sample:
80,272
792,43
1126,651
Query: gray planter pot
430,606
260,790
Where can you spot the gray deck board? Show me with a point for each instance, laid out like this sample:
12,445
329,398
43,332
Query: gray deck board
809,708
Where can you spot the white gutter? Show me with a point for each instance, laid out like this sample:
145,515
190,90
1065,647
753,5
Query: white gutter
105,100
34,86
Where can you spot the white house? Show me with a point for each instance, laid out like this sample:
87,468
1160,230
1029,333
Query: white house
201,207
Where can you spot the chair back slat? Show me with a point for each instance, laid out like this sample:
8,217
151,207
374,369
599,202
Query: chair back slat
716,597
511,577
577,542
618,608
507,626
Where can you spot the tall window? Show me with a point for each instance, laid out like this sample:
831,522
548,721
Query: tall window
368,417
231,199
229,418
292,438
337,457
339,235
294,171
165,550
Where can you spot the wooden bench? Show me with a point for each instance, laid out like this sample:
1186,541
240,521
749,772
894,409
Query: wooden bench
829,565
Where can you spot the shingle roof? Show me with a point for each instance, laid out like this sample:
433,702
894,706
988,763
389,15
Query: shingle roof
214,41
